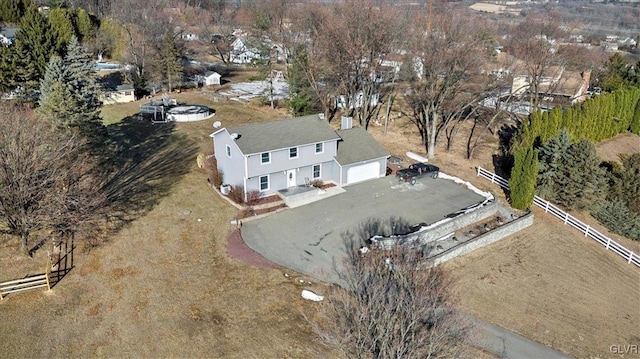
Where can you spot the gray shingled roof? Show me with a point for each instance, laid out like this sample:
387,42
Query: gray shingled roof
124,87
274,135
358,146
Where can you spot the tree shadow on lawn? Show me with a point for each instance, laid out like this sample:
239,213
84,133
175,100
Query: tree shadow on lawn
148,160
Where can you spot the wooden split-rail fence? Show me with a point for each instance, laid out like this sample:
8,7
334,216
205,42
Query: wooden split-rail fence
59,263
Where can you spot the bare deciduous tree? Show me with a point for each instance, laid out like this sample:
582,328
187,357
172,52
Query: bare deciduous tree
218,29
392,305
347,45
534,43
45,179
143,25
444,61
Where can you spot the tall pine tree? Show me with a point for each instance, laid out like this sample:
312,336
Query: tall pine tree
552,157
171,61
61,21
69,94
13,10
57,102
583,181
34,45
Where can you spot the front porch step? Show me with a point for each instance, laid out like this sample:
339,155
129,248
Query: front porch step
309,196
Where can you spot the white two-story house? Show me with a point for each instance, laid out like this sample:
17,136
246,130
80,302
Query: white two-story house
272,156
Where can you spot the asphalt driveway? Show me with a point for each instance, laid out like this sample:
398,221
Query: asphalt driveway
309,238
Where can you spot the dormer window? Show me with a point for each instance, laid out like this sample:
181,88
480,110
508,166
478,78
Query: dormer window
265,157
319,147
293,152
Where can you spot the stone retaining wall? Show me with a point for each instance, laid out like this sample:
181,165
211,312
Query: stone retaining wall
485,239
440,230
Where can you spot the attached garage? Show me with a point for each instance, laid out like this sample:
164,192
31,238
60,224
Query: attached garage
363,172
359,157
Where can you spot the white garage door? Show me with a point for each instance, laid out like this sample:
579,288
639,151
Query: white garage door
363,172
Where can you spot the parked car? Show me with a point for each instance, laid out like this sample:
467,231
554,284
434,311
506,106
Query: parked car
417,170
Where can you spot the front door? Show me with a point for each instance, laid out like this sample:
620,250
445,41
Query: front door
291,178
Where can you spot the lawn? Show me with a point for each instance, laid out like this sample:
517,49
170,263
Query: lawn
163,284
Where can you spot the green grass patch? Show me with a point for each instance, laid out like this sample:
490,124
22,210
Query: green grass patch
115,113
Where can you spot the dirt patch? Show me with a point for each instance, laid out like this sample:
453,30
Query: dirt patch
611,149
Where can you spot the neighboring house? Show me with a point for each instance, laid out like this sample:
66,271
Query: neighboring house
242,52
559,88
610,46
211,78
357,102
628,42
556,85
119,94
189,36
7,35
272,156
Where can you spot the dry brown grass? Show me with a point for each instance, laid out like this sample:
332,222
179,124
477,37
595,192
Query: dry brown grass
164,285
611,149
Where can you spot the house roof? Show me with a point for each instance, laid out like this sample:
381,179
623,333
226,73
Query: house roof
211,73
124,87
357,145
9,32
569,85
275,135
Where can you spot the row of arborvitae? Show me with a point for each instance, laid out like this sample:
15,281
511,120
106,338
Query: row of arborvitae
554,157
596,119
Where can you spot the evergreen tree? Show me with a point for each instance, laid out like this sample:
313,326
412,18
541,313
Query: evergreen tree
302,100
61,21
618,74
34,46
8,68
616,217
13,10
57,102
634,127
84,24
523,178
552,157
171,61
582,181
625,182
69,94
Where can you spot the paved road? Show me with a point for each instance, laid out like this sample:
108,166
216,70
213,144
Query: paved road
509,345
309,239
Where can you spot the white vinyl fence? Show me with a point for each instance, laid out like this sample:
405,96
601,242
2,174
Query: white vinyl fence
549,207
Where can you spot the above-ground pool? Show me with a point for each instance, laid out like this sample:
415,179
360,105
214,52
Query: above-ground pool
189,113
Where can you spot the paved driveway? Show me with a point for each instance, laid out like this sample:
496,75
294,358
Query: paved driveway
308,239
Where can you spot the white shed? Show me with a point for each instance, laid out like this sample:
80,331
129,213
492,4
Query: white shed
211,78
